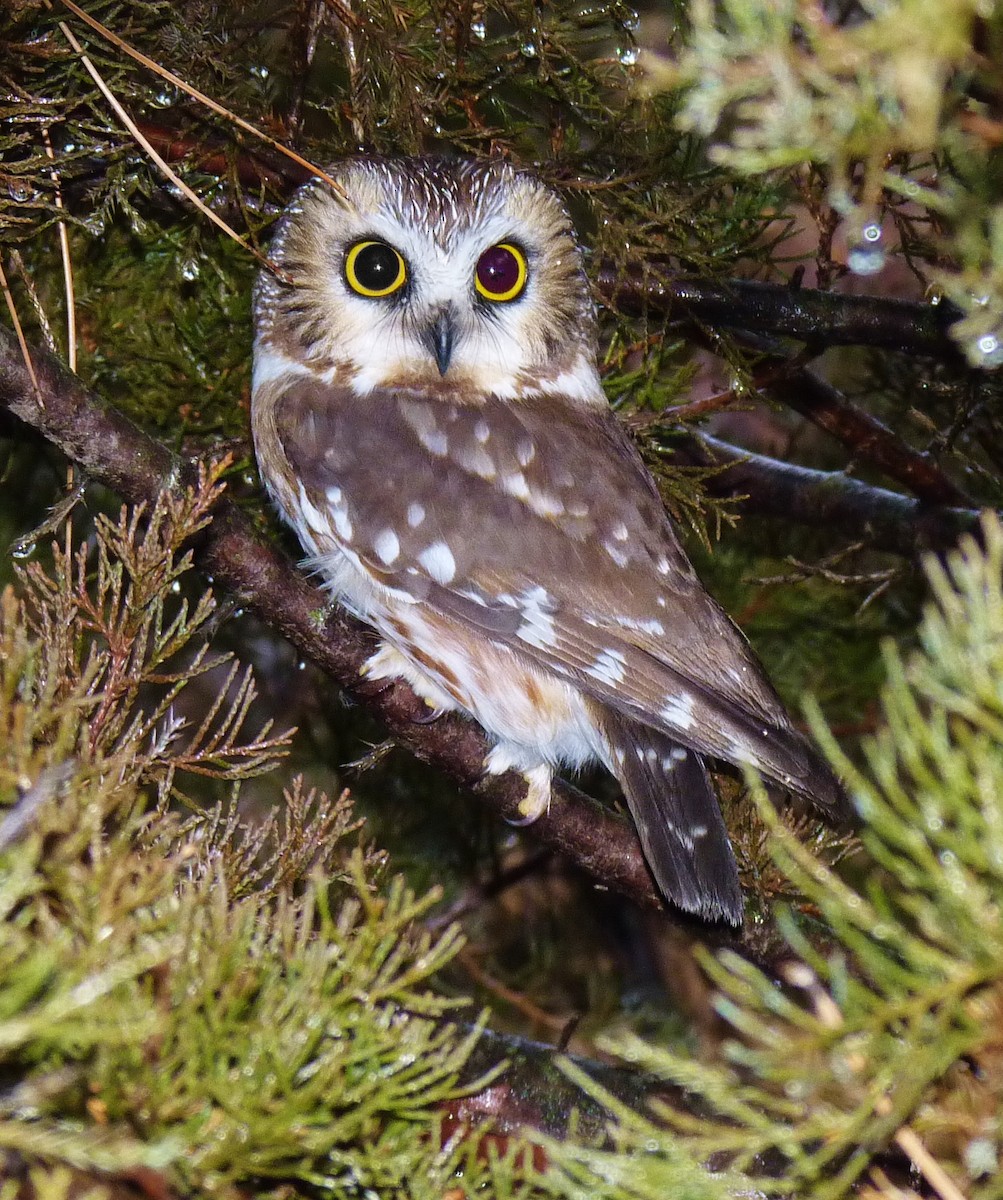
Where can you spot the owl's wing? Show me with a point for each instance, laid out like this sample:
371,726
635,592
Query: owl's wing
536,524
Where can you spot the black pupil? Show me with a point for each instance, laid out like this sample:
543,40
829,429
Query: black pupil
498,270
377,266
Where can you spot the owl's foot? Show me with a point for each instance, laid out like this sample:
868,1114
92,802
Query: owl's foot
536,802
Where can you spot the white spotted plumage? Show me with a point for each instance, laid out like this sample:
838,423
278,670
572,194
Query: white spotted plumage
449,460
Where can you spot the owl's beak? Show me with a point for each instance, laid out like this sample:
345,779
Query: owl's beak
439,339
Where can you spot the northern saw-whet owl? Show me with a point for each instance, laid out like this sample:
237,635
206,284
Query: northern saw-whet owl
428,416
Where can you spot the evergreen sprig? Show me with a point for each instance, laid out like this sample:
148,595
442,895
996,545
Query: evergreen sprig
233,1006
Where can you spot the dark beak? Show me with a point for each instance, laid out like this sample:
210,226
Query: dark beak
439,338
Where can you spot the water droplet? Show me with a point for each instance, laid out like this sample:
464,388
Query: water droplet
989,349
176,588
865,260
478,30
20,189
260,72
190,270
23,548
528,49
627,55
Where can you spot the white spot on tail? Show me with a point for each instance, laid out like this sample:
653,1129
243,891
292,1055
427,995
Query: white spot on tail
415,514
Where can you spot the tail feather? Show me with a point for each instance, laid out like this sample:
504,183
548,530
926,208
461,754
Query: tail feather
672,801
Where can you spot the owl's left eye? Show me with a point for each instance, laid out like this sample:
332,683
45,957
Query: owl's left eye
501,273
374,269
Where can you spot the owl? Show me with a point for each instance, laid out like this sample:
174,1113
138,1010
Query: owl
428,416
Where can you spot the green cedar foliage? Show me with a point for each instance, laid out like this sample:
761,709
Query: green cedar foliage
893,102
233,1006
889,1043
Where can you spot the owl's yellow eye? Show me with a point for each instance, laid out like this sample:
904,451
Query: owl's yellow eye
374,269
501,273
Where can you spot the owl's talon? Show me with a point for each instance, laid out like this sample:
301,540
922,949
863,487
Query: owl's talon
430,717
536,802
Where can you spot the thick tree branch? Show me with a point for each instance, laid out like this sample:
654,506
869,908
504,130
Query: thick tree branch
827,499
813,316
866,437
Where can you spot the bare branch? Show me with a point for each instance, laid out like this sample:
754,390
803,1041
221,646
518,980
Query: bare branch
821,318
827,499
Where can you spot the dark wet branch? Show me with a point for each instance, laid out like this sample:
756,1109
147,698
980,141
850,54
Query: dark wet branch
826,499
869,440
816,317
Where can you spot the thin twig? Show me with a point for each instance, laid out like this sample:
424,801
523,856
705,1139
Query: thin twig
830,500
19,332
64,252
201,97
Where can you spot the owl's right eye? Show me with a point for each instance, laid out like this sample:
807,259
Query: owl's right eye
374,269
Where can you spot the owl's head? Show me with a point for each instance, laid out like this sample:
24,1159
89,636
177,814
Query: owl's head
432,273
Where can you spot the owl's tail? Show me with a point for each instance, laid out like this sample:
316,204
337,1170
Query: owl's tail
675,809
